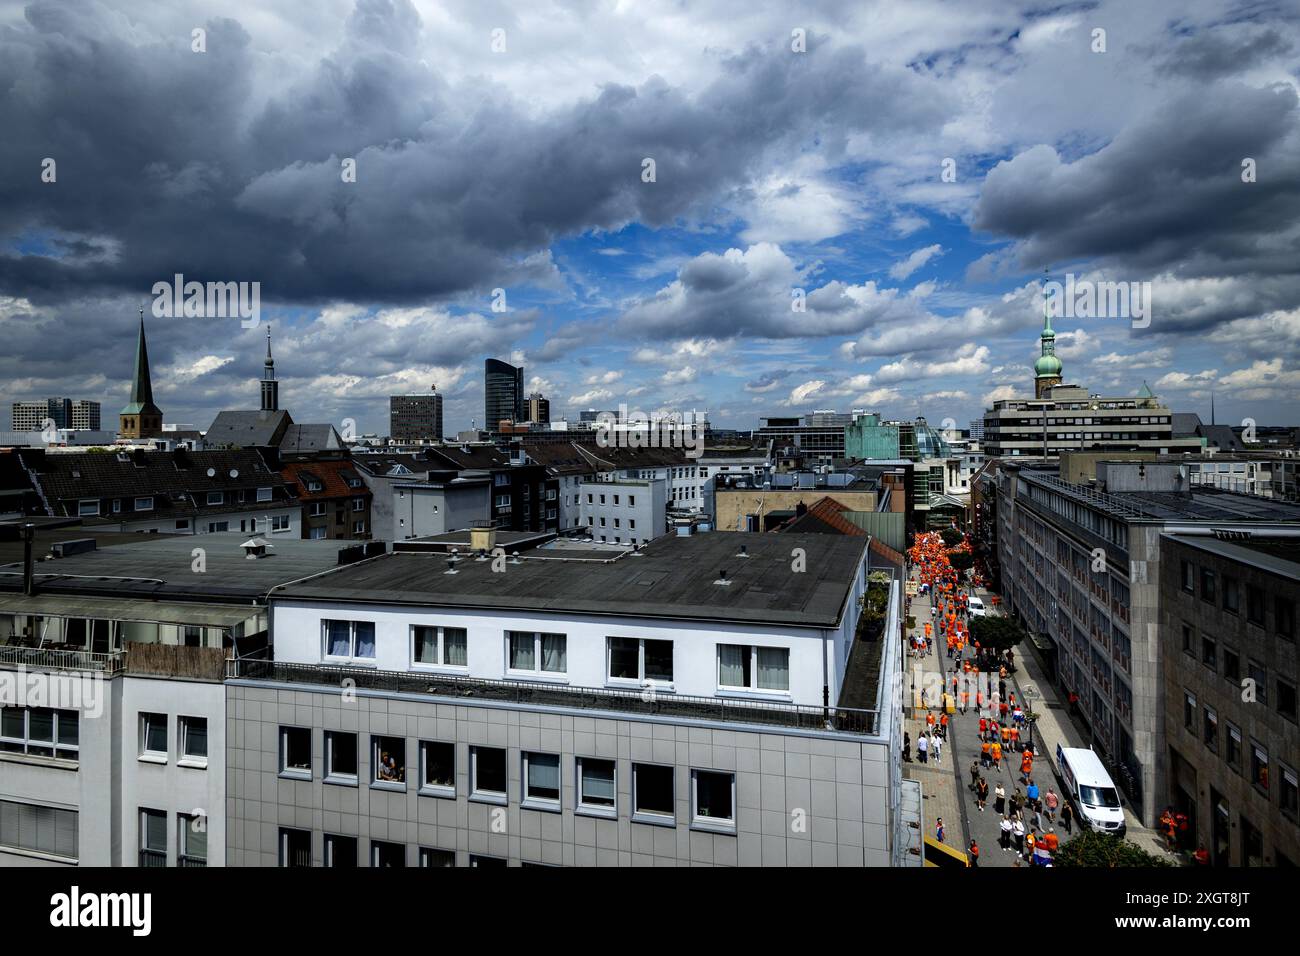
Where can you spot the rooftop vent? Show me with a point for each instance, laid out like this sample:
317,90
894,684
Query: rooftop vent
451,565
744,551
514,558
722,578
255,548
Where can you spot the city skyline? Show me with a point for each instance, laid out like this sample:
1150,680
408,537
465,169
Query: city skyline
920,280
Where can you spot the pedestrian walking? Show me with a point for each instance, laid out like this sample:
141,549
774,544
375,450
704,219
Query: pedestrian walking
974,852
938,829
922,746
1018,834
936,748
907,747
982,793
985,751
974,774
1004,833
999,799
1032,793
1052,801
1067,817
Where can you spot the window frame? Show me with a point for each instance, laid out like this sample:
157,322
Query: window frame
427,789
335,777
329,847
284,835
351,656
441,664
530,801
654,817
753,689
725,825
146,754
184,724
377,748
147,507
57,749
538,673
641,680
608,812
294,773
476,793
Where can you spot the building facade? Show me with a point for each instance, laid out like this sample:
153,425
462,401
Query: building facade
503,394
415,418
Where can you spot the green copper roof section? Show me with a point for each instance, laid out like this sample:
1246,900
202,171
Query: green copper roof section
141,387
1047,365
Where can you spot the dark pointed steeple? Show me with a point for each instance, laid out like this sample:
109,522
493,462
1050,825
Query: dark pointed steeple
270,387
141,418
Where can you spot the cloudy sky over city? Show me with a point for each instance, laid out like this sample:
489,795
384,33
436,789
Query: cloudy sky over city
854,205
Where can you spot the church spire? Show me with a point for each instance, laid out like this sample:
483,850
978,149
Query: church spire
270,387
141,418
1047,370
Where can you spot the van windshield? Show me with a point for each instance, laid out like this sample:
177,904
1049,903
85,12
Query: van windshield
1099,796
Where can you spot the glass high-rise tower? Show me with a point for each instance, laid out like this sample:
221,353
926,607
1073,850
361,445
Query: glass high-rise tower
503,394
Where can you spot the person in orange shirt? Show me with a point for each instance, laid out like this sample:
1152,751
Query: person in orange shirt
943,725
1026,767
965,700
1015,736
986,754
1006,736
995,752
929,721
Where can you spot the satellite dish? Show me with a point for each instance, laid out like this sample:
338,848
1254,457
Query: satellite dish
212,472
234,472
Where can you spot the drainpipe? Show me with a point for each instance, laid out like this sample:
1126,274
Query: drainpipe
29,575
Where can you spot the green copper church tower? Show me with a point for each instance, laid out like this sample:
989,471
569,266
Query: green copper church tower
1047,369
141,418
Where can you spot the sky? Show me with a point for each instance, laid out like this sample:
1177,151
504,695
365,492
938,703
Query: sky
741,207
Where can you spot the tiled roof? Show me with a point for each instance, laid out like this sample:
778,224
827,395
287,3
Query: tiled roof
247,429
484,457
332,476
310,437
827,513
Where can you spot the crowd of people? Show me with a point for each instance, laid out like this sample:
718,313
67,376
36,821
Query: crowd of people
1029,816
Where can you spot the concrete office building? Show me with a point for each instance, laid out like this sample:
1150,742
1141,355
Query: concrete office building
31,416
1081,564
85,416
623,510
676,707
1234,752
415,418
539,409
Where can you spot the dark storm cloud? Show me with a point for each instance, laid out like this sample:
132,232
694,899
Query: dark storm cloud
1210,56
158,157
1166,194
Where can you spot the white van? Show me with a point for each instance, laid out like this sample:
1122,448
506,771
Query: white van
975,607
1089,785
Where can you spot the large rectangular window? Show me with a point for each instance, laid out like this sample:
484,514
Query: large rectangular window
541,776
350,640
153,838
40,732
295,752
295,847
194,739
638,660
191,840
533,654
433,858
388,762
713,800
747,667
487,774
437,768
153,736
385,854
340,851
47,830
340,757
439,646
597,793
653,797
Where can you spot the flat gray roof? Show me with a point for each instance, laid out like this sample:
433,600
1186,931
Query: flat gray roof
161,566
672,577
1277,555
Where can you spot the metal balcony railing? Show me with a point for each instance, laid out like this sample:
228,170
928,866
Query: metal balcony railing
632,702
64,660
153,858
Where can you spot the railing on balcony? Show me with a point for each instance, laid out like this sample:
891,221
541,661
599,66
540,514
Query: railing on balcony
49,658
153,858
184,860
469,690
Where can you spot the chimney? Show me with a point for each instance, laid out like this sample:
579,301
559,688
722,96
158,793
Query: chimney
482,535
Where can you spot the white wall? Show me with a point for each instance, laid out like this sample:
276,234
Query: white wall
298,638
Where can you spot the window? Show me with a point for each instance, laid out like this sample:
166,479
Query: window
1254,605
640,660
192,636
1259,766
358,504
317,509
596,791
1187,638
340,757
87,507
340,851
1284,617
40,732
34,829
1210,729
1233,755
503,501
653,797
486,861
541,781
217,526
1286,699
263,494
631,501
317,534
747,667
358,527
279,522
295,752
153,838
388,762
1209,652
1231,595
431,858
1259,678
216,497
1231,665
153,736
1188,578
144,504
1287,793
191,839
1189,712
535,653
353,640
194,739
295,847
713,800
487,774
437,768
387,854
1207,586
440,646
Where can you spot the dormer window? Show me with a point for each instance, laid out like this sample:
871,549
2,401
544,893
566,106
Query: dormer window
216,497
141,504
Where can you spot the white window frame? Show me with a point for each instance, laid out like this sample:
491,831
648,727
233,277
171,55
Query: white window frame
594,809
144,507
184,758
427,789
425,857
265,494
358,527
83,512
153,756
318,509
376,783
294,773
185,829
329,848
479,795
284,843
219,496
640,680
753,689
57,750
712,824
358,504
340,778
526,799
654,817
351,656
440,664
537,673
279,523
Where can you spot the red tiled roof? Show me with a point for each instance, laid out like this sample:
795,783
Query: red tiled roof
333,484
